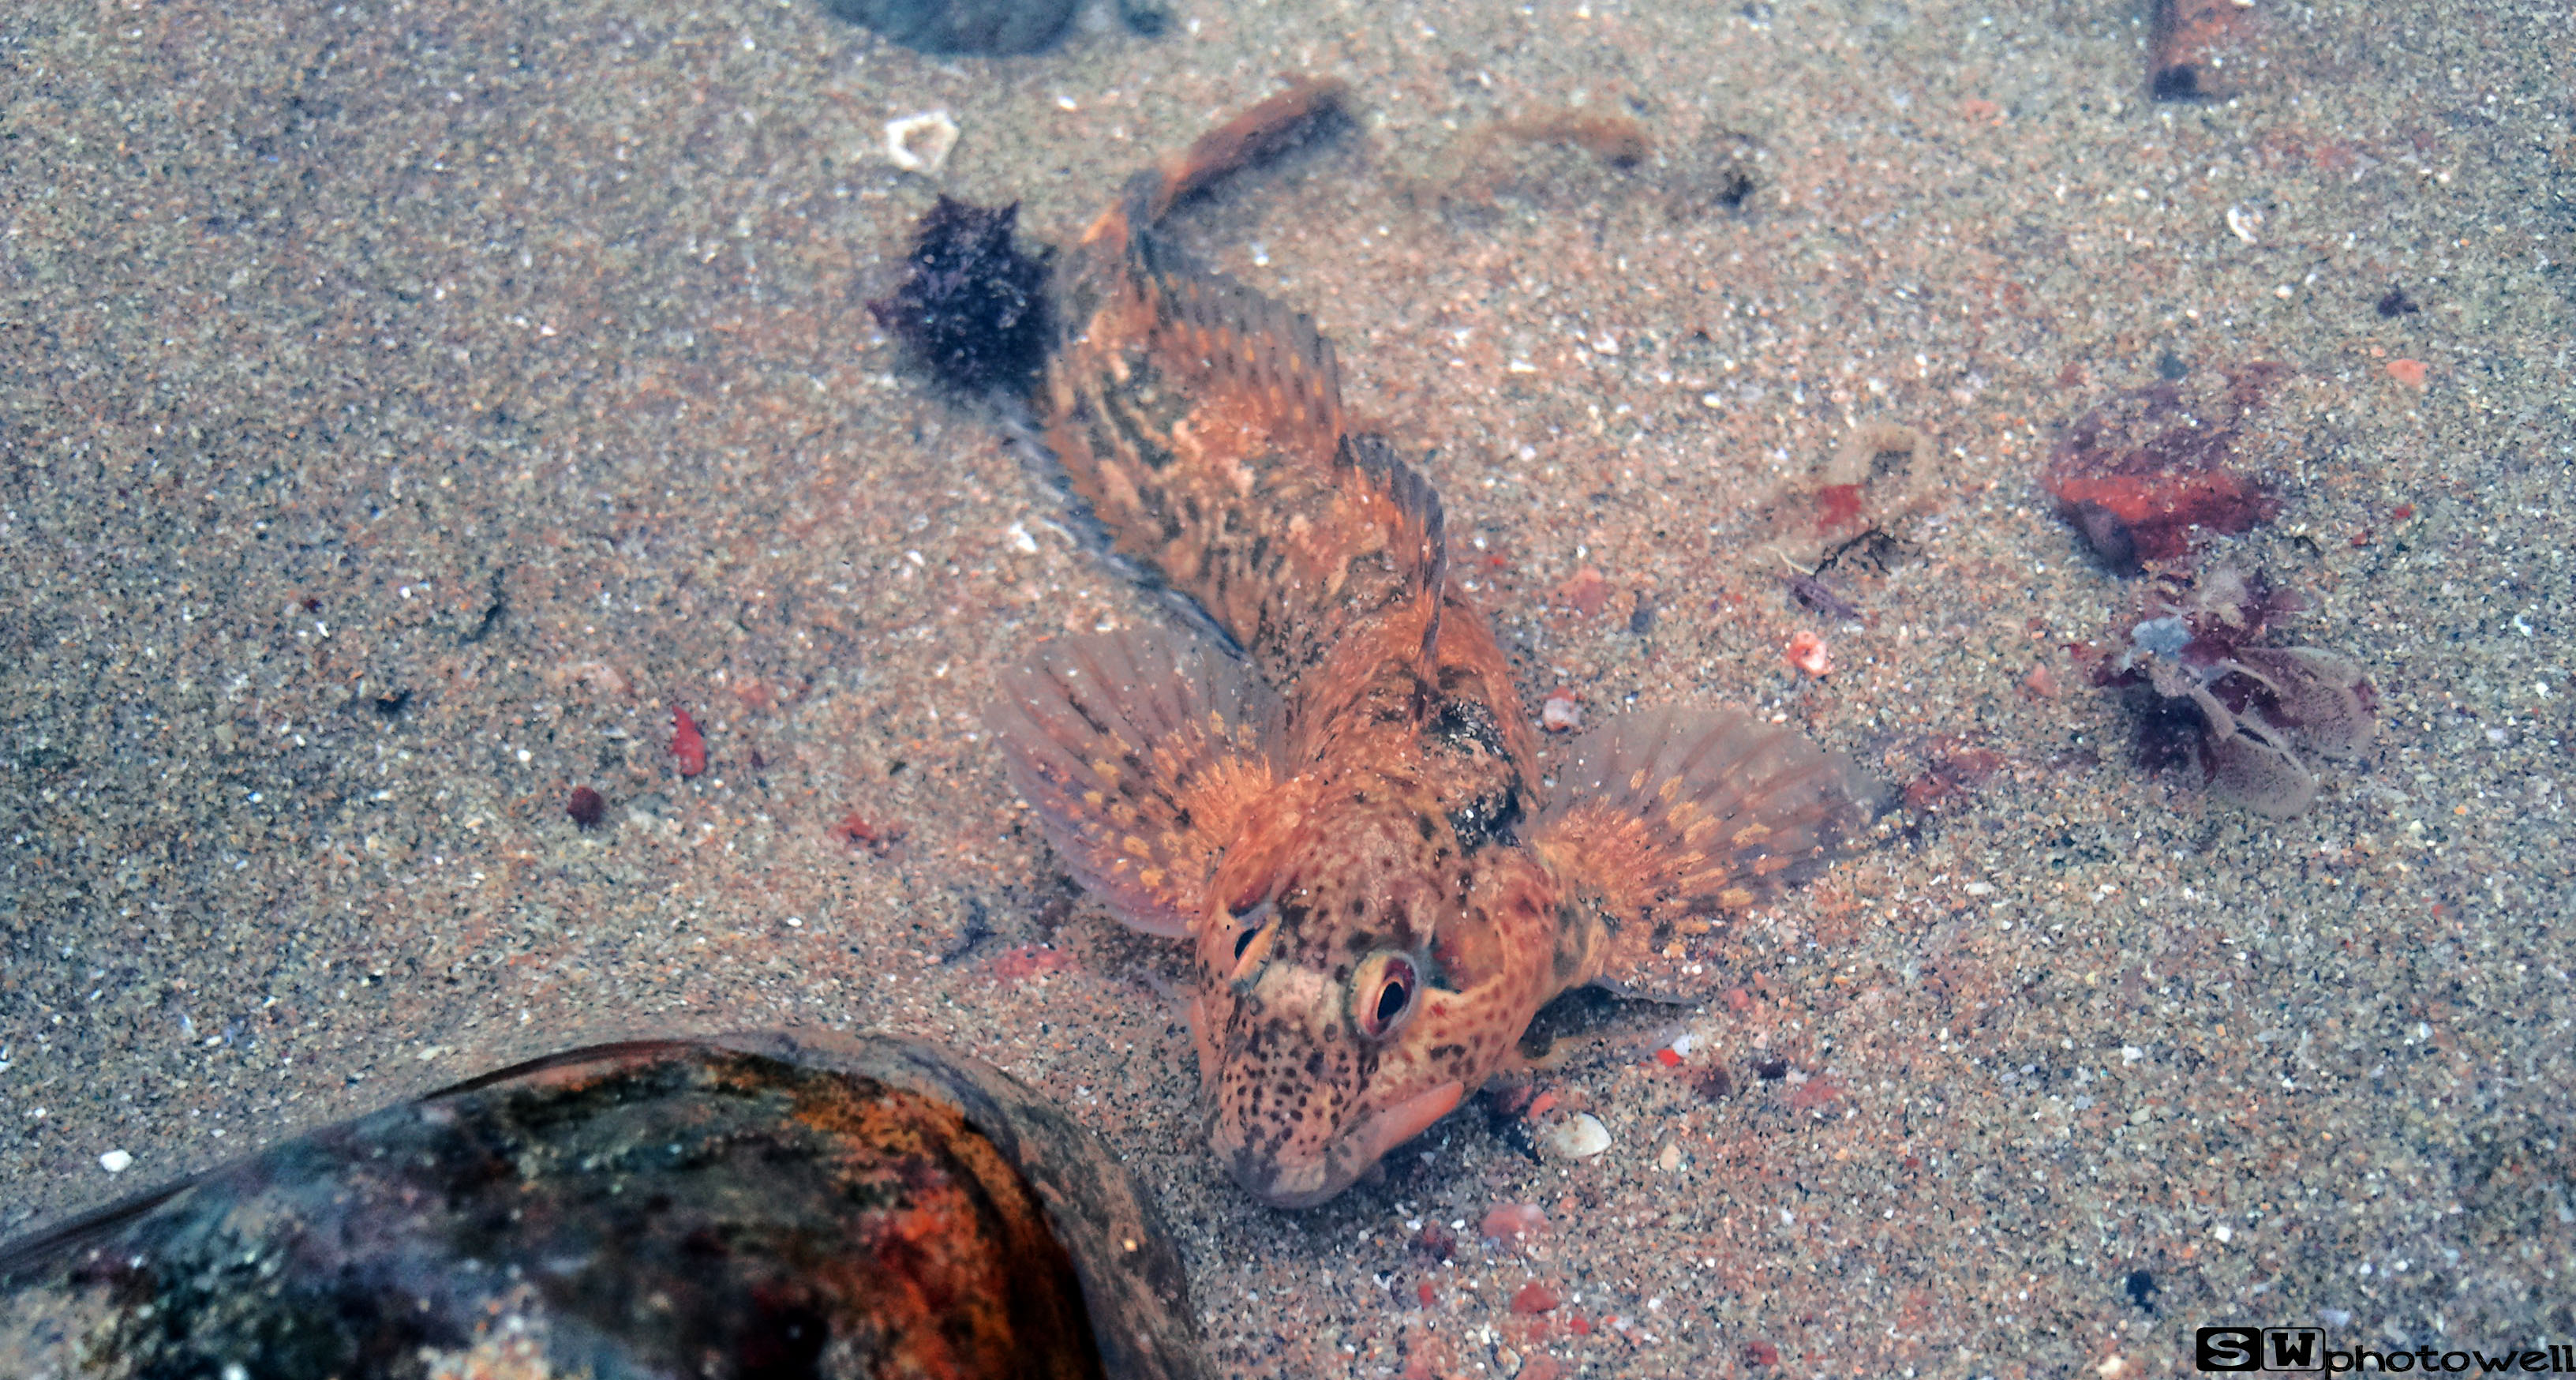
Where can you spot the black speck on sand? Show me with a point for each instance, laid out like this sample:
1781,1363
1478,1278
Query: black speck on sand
326,331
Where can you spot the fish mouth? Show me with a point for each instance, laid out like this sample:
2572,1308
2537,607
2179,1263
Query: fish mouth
1305,1183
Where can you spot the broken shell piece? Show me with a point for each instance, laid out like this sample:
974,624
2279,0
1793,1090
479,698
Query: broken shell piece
1578,1137
1856,504
2320,694
920,143
2252,767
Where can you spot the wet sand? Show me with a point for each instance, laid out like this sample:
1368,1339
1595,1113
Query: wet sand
403,406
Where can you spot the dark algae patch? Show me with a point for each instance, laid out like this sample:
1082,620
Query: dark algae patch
992,28
972,307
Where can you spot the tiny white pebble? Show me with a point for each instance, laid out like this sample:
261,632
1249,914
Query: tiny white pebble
2223,1232
921,143
1578,1137
116,1161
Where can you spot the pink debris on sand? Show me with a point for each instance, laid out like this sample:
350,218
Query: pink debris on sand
1510,1223
1809,653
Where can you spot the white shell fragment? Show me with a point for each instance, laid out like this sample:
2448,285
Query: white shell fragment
920,143
116,1161
1578,1137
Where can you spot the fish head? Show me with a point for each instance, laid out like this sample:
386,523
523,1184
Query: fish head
1320,1004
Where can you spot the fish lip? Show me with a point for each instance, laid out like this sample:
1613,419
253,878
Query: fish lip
1302,1185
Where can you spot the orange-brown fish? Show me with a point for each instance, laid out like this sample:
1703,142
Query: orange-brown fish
1347,821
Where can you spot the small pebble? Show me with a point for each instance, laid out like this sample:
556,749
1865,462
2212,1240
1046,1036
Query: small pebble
1560,713
1509,1222
1671,1160
1578,1137
1534,1297
116,1161
1808,653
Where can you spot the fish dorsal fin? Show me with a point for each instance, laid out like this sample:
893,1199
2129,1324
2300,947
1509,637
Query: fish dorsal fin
1140,753
1671,816
1203,425
1248,359
1394,498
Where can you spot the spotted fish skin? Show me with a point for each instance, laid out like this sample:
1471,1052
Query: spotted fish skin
1347,824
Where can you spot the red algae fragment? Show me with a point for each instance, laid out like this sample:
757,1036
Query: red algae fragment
1813,1093
688,746
859,831
1955,770
1025,961
1588,592
2140,476
1534,1297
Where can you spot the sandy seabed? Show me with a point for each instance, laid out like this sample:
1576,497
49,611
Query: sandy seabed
404,405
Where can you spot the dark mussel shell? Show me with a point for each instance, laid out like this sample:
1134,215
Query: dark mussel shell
769,1204
994,28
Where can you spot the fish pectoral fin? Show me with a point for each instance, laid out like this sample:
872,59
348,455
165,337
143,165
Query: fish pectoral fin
1140,753
1670,817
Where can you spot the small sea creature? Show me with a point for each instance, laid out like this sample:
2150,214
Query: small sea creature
1347,822
2205,691
1819,596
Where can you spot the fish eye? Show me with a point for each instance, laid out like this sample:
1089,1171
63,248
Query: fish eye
1384,999
1251,925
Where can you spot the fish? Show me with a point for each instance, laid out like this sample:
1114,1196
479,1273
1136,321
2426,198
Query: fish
1333,794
